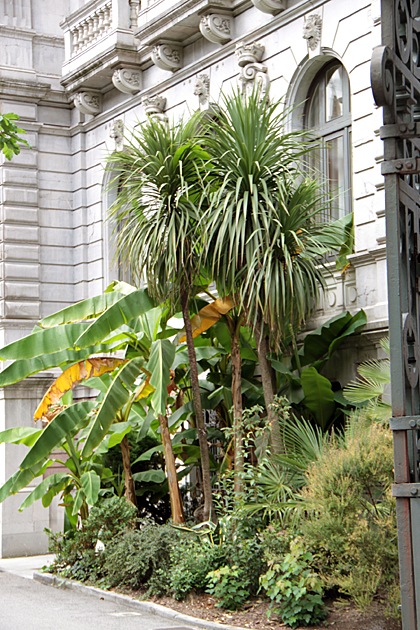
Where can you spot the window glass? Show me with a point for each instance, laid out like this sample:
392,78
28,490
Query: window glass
327,114
334,94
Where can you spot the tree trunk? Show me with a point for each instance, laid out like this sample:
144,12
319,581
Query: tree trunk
237,410
174,493
130,492
268,390
198,410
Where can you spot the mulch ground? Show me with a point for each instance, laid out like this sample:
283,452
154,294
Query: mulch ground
342,615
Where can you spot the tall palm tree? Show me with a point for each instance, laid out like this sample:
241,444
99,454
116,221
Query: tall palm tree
264,241
160,181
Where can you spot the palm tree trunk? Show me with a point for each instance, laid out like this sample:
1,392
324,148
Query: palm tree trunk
174,493
237,410
130,492
198,410
268,390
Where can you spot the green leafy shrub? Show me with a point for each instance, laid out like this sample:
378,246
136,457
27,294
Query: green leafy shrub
350,514
191,561
142,558
229,585
294,589
75,555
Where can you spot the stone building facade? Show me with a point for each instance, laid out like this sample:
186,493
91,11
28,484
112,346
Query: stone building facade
82,73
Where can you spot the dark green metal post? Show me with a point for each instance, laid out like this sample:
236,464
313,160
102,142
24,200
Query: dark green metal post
395,76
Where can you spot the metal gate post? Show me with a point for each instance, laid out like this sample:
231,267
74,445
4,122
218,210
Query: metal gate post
395,77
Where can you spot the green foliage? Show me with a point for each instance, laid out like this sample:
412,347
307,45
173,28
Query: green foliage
294,589
350,514
192,560
10,135
75,555
141,558
229,585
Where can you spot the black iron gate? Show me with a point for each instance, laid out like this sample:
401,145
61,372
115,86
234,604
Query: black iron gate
395,75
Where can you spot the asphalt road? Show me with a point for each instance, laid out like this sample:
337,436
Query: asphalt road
29,605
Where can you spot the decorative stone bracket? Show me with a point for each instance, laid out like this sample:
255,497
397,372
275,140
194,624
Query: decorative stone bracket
127,80
216,27
312,30
88,102
202,90
167,56
154,107
270,6
253,72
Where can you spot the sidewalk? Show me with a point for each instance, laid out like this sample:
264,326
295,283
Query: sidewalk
27,566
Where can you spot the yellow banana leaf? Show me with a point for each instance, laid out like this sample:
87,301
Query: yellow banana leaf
209,315
68,379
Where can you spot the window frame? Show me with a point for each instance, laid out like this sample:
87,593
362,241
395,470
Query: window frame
324,131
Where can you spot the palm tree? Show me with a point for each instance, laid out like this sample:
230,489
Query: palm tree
160,182
264,241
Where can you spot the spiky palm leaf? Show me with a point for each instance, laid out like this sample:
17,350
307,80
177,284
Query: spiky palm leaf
264,242
159,179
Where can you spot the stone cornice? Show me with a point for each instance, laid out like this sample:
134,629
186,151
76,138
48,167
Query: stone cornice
31,90
212,58
105,64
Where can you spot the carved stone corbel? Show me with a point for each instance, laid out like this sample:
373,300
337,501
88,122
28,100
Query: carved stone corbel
88,102
312,30
253,74
202,90
167,56
216,27
270,6
154,107
127,80
248,53
116,133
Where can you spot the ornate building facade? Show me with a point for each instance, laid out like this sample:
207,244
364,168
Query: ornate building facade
85,72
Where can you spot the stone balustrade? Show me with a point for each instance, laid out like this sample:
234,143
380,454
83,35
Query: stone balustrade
90,29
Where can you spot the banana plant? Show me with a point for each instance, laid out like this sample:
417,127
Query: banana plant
68,340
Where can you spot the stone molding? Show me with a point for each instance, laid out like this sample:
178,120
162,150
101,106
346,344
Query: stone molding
270,6
88,102
216,27
127,80
167,56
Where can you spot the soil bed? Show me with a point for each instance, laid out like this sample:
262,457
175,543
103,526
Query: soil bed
342,615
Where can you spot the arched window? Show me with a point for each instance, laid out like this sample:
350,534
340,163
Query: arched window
327,114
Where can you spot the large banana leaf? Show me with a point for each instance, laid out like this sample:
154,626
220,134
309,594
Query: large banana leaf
91,484
116,397
20,369
125,310
71,377
320,344
208,316
21,478
319,397
161,358
20,435
86,309
58,480
45,341
65,424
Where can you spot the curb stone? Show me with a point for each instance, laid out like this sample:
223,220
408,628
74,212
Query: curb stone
154,609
